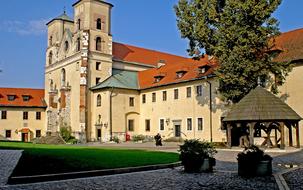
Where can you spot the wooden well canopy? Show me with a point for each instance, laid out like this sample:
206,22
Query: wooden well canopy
260,106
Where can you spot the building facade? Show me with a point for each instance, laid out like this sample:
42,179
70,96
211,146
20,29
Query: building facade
22,115
103,89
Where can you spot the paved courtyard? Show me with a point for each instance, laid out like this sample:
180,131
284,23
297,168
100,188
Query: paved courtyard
224,177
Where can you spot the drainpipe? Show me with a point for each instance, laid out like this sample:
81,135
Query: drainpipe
210,111
111,113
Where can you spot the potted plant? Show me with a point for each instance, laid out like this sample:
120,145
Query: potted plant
197,156
254,162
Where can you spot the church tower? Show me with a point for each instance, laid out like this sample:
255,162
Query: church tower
79,56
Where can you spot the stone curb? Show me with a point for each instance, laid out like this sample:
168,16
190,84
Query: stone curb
281,182
84,174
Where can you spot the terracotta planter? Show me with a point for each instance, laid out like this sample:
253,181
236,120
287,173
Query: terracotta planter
263,168
208,164
197,166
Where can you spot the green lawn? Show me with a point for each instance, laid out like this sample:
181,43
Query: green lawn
50,159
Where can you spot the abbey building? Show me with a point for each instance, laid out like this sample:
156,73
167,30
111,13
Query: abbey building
103,89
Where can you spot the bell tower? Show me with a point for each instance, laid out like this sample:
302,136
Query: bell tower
92,26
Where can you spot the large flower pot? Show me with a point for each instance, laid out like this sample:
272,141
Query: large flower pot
208,164
262,168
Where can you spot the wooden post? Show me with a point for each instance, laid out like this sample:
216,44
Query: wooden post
290,135
228,135
282,146
251,133
298,135
276,138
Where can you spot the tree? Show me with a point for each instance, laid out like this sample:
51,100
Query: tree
240,35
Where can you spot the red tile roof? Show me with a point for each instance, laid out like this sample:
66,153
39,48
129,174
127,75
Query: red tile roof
36,97
168,73
291,45
135,54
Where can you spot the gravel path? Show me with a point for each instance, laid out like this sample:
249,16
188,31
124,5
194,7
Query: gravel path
160,179
8,161
294,179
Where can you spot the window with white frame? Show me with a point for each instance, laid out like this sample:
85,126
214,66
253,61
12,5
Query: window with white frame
199,90
189,124
162,125
200,124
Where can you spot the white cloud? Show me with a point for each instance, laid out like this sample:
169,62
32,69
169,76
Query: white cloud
32,27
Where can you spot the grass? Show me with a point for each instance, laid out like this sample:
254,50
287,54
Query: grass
50,159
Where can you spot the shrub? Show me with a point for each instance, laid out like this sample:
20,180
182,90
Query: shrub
193,152
137,138
249,161
66,133
174,139
116,139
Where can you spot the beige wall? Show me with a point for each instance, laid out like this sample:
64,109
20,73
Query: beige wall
15,122
292,93
177,111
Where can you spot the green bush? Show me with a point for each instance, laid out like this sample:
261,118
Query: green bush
137,138
174,139
66,133
116,139
193,152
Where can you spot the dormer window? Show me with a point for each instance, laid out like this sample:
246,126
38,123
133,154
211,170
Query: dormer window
180,74
26,98
158,78
203,69
11,97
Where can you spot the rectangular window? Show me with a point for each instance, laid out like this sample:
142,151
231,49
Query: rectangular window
26,98
38,115
131,101
11,97
162,124
98,80
188,92
176,94
199,90
3,114
147,125
189,124
38,133
8,134
164,94
143,98
25,115
200,124
131,125
154,97
98,66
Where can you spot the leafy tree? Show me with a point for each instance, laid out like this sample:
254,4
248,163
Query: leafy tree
240,35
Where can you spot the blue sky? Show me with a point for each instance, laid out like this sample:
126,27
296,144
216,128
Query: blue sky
146,23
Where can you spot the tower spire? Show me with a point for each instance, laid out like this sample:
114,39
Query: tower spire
64,10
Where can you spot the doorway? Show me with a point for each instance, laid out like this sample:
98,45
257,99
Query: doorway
99,134
177,130
24,137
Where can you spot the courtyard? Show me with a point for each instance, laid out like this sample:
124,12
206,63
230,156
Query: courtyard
286,163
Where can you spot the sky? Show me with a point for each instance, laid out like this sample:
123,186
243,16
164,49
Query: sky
145,23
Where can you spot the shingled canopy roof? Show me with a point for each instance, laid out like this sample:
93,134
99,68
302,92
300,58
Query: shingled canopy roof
261,105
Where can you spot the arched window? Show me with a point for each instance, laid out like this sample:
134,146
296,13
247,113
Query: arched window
66,45
79,24
78,44
99,24
50,58
63,77
99,100
50,40
51,84
98,44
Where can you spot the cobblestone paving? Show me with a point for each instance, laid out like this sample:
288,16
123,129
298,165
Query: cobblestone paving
161,179
8,161
294,179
